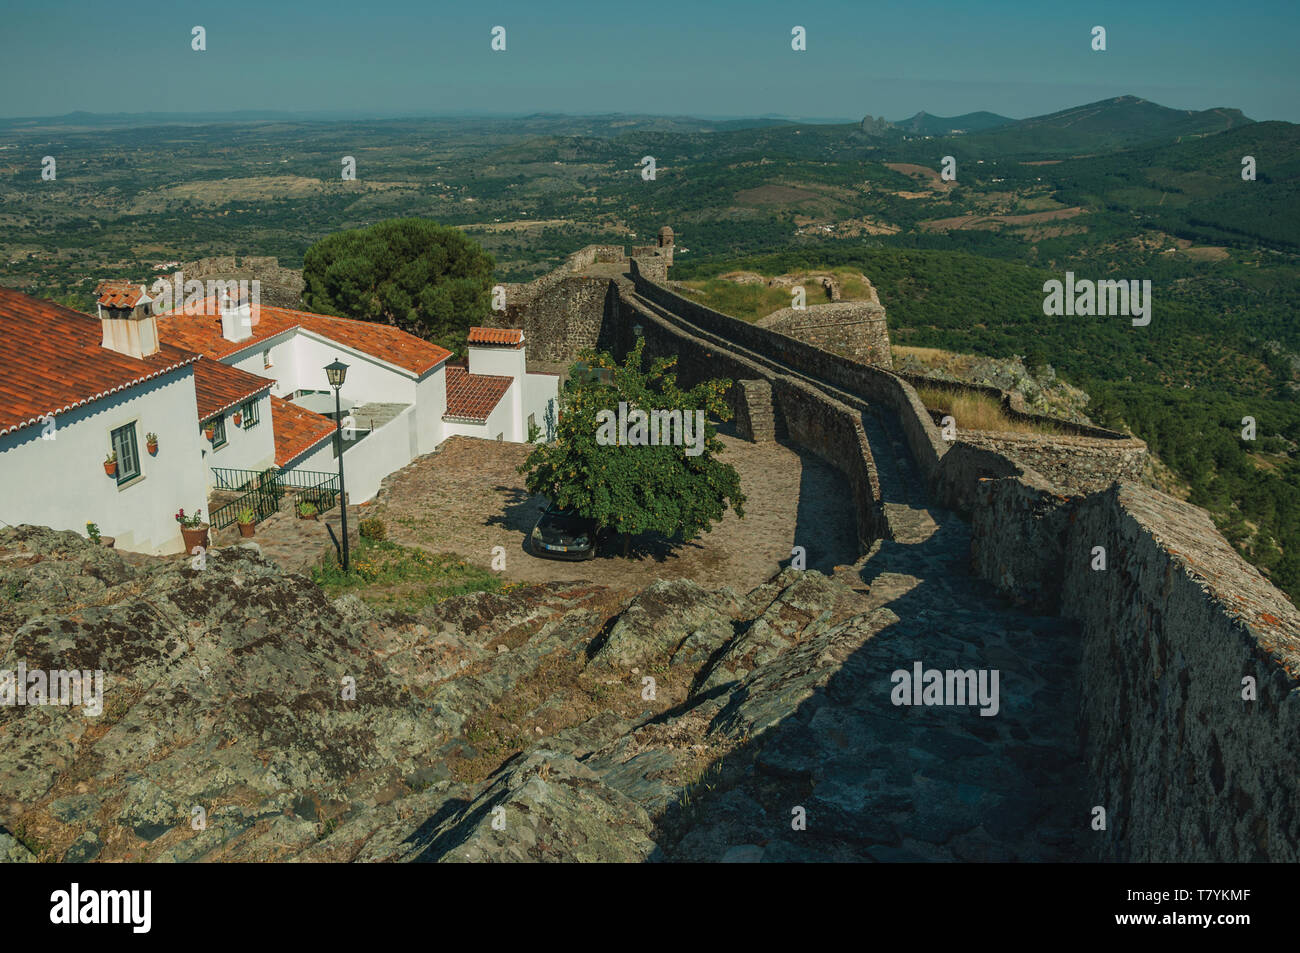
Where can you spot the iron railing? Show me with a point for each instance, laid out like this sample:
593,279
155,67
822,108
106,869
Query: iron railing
263,491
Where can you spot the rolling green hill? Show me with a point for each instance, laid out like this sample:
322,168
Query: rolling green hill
1120,123
923,124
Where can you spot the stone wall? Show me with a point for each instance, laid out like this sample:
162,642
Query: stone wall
874,384
280,287
1075,464
1186,769
828,428
853,329
560,315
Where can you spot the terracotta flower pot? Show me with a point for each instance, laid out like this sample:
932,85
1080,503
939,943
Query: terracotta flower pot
195,536
209,432
246,530
237,419
153,449
111,469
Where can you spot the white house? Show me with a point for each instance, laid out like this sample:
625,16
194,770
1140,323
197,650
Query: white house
232,389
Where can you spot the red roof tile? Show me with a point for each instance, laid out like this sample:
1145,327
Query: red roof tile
219,387
297,429
473,396
202,333
56,362
511,337
119,293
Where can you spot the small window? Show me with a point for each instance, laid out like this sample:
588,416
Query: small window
266,358
218,425
128,453
248,411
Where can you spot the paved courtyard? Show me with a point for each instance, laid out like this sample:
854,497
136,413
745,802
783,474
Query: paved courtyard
467,498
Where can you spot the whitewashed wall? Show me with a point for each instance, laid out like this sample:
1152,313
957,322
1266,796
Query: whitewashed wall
500,421
61,482
430,405
369,379
284,366
251,449
366,462
540,392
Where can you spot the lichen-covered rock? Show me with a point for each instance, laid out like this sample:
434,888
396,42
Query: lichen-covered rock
662,617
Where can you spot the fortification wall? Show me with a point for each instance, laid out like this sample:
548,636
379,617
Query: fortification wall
828,428
853,329
1075,464
874,384
559,317
1185,767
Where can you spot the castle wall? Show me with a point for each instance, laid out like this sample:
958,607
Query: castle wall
1075,464
853,329
1185,768
831,430
559,317
873,384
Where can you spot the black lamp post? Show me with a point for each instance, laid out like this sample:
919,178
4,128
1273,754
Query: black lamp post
337,373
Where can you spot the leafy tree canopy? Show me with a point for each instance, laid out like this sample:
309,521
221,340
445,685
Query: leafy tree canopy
628,487
425,278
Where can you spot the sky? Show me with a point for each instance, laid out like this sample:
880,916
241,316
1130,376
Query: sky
707,58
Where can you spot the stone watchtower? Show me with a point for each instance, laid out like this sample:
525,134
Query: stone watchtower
666,237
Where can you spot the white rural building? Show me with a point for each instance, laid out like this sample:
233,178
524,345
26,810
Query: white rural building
233,387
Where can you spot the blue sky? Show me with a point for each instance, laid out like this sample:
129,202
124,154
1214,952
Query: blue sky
703,58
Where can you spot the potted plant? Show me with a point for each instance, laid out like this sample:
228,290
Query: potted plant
110,463
237,417
247,520
151,443
308,511
193,529
209,431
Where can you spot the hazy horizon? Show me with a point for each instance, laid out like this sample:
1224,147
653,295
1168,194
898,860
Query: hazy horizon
712,62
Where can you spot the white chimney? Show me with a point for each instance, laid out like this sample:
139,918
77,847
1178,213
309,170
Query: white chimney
128,323
236,318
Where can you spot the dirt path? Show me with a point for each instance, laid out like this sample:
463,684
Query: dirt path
468,498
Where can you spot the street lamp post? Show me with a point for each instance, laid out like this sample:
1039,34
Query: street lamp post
337,373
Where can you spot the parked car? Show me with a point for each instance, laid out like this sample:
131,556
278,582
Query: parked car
562,534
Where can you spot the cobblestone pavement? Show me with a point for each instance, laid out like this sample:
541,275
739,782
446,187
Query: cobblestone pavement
468,498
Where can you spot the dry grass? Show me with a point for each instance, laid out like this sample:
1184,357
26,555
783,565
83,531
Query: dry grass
975,411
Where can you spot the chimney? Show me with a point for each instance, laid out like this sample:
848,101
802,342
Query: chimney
236,317
126,315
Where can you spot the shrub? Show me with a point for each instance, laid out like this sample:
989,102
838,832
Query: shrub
373,528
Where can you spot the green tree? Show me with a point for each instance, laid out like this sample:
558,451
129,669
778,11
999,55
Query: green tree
422,277
627,487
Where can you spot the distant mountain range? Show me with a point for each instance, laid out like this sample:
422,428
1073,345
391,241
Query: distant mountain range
1119,123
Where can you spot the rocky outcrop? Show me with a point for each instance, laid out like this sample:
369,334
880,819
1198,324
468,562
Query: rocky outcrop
246,717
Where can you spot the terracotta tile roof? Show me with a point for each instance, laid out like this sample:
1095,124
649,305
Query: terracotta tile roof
56,361
473,396
202,333
512,337
297,430
220,387
119,293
